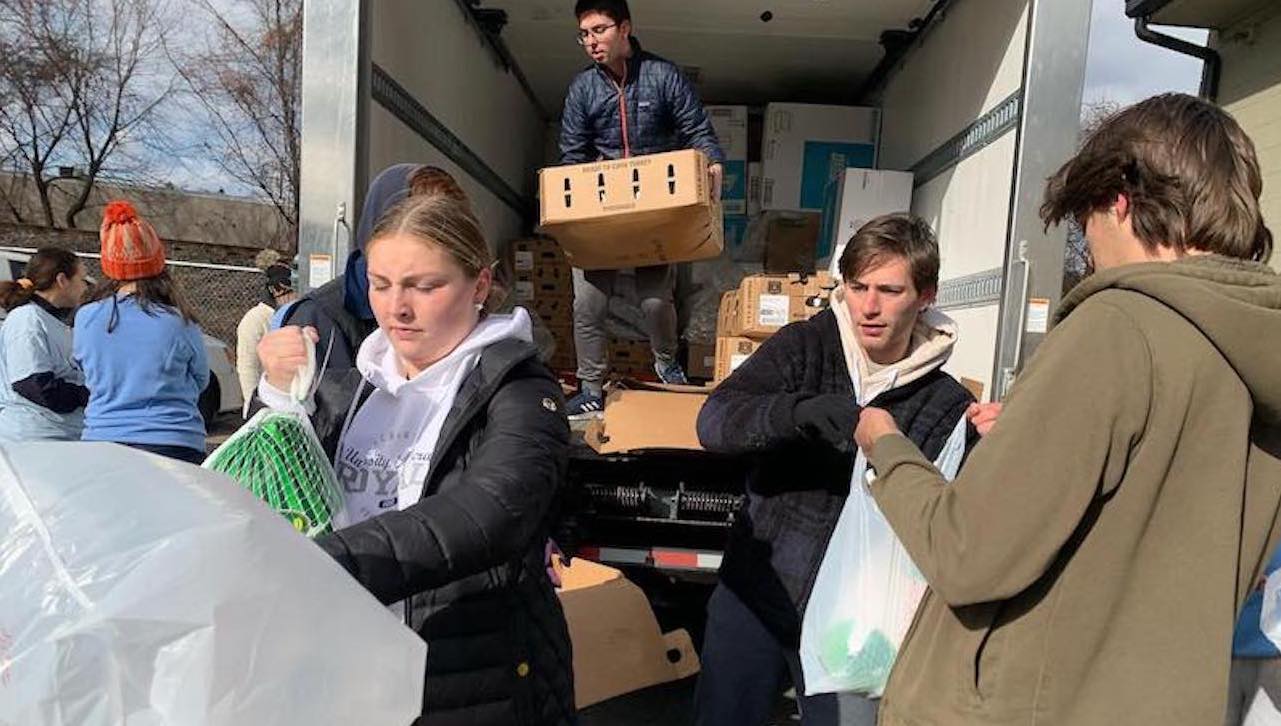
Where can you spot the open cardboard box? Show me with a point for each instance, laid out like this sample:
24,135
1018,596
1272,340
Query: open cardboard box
645,210
618,646
640,416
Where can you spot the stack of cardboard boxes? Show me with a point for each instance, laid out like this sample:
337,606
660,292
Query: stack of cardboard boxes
804,151
631,358
760,307
542,283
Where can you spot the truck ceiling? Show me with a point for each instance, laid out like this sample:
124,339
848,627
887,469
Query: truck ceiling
813,51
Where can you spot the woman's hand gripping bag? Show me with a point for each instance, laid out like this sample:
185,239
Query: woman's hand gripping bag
139,590
278,458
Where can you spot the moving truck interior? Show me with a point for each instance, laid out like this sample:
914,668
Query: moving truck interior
978,99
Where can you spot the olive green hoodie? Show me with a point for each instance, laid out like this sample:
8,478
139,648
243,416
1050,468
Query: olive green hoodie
1088,563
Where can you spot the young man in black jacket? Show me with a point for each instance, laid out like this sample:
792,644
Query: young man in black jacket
629,102
793,406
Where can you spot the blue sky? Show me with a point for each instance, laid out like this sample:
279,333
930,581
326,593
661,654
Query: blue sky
1122,69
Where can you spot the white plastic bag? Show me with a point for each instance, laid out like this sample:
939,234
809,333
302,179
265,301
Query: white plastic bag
866,592
143,591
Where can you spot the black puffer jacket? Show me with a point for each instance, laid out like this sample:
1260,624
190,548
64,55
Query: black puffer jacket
658,111
799,483
469,556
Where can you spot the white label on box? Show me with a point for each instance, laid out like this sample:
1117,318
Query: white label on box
774,310
524,260
1038,315
320,270
524,291
736,360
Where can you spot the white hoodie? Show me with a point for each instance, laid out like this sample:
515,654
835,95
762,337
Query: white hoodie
933,339
386,446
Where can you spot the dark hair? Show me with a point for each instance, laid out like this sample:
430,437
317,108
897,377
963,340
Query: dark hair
897,235
1188,170
42,273
615,9
278,278
160,291
430,180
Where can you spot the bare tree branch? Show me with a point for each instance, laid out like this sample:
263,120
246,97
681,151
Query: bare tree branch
245,76
74,88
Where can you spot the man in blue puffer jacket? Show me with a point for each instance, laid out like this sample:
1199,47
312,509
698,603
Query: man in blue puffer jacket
629,102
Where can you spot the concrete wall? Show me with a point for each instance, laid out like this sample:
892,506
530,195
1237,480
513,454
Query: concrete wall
177,216
1251,90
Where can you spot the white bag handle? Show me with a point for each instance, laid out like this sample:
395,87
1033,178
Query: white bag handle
300,387
306,379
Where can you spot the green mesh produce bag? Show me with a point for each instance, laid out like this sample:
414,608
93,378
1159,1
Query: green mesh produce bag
278,458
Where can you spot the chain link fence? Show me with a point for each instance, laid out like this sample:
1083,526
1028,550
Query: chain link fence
219,294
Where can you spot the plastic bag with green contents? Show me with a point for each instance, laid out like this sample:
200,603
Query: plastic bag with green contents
277,456
866,592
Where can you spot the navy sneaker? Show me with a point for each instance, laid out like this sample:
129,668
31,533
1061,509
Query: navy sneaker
584,406
671,374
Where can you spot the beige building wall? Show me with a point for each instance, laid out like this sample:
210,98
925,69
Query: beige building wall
1250,89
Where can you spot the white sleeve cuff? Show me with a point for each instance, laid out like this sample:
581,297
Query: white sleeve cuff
278,400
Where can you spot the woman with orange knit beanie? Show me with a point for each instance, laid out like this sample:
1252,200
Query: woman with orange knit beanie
140,347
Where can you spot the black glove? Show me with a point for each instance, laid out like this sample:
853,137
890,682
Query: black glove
829,418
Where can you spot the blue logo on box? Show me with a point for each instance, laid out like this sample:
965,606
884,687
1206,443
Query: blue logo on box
734,188
823,163
735,231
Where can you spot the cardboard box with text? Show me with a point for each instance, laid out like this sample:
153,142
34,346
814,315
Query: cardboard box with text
645,210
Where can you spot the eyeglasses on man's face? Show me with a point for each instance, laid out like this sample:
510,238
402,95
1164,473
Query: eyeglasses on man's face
596,32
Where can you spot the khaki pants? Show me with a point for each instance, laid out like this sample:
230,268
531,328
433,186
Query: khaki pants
1254,692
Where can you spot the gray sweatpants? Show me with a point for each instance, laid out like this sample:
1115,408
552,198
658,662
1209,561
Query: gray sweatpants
592,290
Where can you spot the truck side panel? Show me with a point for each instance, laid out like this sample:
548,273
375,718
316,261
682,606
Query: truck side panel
966,67
438,57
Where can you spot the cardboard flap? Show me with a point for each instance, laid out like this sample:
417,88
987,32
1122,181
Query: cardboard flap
580,573
617,644
631,384
680,648
636,420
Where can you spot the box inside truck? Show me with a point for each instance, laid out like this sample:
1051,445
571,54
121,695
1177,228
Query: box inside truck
828,112
934,88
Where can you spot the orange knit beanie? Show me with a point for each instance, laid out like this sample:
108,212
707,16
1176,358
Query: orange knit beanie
130,248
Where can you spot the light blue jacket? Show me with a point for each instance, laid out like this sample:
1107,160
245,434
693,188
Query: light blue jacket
34,341
145,374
